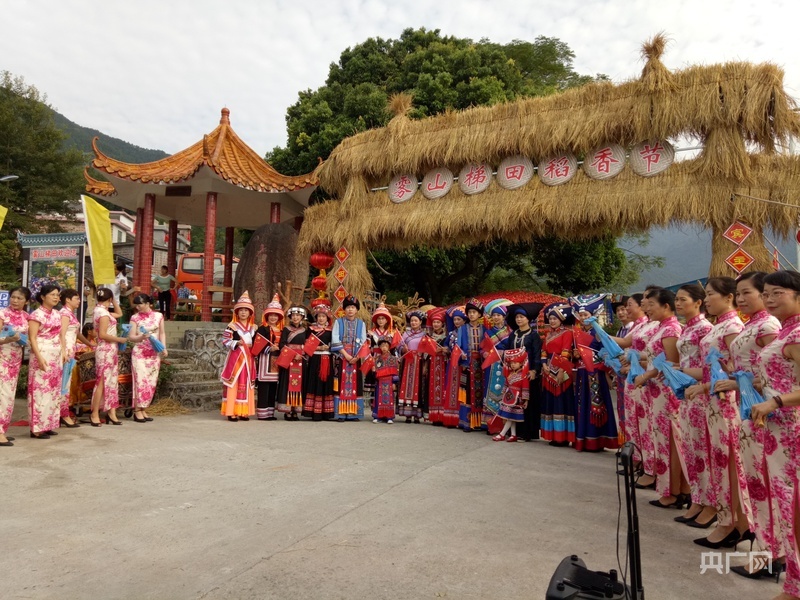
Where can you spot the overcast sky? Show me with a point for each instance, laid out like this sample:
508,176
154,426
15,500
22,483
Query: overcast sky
157,72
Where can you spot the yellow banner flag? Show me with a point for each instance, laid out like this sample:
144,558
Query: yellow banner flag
98,234
3,213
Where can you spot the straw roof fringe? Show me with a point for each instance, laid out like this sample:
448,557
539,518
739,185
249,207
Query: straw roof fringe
747,98
581,209
655,75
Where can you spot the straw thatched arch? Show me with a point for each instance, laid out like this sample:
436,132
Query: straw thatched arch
740,111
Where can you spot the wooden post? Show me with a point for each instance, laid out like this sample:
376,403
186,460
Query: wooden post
172,247
227,279
146,266
137,247
298,223
208,254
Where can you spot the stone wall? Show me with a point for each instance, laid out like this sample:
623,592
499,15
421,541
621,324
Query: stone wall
206,343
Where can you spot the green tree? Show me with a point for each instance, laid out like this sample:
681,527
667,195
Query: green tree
31,147
443,73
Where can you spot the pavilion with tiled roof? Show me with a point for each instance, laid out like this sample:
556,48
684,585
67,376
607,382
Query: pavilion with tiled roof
217,182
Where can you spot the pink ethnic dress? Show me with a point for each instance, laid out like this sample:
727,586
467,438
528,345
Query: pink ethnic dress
44,385
106,358
71,339
145,361
10,362
723,421
637,409
781,443
746,353
692,412
664,407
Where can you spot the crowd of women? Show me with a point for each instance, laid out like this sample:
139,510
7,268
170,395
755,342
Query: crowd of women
54,337
476,368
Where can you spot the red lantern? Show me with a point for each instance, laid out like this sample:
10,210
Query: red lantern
319,283
320,260
797,236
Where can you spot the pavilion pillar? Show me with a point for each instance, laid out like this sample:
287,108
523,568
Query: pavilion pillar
227,280
146,267
298,223
275,212
137,247
208,255
172,247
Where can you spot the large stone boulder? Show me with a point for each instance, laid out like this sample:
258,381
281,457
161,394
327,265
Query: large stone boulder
268,259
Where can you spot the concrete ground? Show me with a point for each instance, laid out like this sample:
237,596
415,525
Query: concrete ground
192,506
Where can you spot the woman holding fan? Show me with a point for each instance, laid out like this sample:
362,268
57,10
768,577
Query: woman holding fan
146,355
14,323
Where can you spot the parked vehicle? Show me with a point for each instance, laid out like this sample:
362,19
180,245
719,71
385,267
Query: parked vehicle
191,267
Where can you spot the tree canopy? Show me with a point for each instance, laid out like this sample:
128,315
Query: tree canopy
31,147
448,73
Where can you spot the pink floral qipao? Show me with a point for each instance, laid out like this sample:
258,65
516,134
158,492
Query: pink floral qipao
692,412
664,408
637,409
106,359
44,386
145,361
10,362
781,443
723,421
70,339
745,355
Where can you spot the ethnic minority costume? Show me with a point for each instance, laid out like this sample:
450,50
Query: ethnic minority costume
373,336
290,379
238,371
412,397
437,369
530,341
494,379
453,393
319,379
595,426
470,336
515,389
348,335
10,362
558,391
267,369
386,371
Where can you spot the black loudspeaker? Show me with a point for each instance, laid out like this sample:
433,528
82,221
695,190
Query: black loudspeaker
573,581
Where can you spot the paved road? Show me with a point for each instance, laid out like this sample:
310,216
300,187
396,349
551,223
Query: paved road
192,506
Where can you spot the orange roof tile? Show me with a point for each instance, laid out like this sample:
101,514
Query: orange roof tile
221,150
97,187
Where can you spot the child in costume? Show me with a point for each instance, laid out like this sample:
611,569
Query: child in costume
386,372
239,372
515,393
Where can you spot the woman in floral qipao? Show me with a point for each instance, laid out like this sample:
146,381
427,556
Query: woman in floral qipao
15,319
145,361
46,366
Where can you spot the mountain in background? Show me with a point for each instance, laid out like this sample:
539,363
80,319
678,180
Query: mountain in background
81,138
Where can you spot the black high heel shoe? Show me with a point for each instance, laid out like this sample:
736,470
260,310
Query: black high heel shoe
138,420
681,500
67,425
694,523
729,541
777,569
40,436
112,421
748,536
93,424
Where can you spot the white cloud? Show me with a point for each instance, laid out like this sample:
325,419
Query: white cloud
157,73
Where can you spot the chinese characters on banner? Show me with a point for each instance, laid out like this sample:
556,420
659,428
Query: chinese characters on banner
475,178
603,162
737,233
402,188
437,183
652,157
340,274
514,172
556,170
